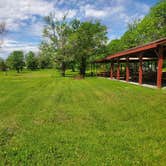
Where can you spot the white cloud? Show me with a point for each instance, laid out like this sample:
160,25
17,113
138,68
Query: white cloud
10,45
91,11
118,11
23,16
14,12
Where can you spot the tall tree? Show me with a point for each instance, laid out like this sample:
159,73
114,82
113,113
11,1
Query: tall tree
153,26
56,33
115,46
150,28
3,66
87,42
31,61
46,55
16,60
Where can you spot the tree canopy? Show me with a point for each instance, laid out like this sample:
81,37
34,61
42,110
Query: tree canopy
73,42
31,61
16,60
87,42
150,28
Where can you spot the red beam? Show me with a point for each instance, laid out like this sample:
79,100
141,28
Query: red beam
159,68
132,51
140,70
118,71
111,70
135,50
127,69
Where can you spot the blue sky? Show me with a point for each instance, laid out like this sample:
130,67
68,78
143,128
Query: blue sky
24,18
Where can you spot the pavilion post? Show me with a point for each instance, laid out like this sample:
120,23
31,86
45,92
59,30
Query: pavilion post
159,67
140,70
111,70
118,70
96,68
91,68
127,69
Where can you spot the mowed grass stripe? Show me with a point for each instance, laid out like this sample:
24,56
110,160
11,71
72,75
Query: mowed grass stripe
50,120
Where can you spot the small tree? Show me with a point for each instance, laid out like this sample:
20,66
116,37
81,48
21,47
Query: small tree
16,61
46,56
31,61
3,66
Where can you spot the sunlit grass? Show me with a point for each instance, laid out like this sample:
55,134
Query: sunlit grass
49,120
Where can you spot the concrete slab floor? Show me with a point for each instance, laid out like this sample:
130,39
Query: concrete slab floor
135,83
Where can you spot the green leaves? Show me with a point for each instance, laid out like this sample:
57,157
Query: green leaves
151,28
31,61
16,60
71,42
87,42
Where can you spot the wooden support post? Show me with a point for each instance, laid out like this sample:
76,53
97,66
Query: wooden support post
118,70
159,68
91,68
96,69
140,70
112,70
127,69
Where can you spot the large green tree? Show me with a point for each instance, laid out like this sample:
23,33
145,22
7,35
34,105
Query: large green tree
87,42
16,60
31,61
46,55
153,26
115,46
3,66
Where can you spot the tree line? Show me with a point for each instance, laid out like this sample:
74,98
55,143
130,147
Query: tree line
17,60
66,45
150,28
78,43
72,44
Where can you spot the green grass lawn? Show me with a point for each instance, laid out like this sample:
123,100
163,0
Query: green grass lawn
49,120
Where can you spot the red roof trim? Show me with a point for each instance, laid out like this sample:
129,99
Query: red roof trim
134,50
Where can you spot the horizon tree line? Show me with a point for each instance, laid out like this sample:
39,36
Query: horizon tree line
72,44
18,61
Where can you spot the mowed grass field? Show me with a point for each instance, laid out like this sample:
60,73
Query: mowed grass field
49,120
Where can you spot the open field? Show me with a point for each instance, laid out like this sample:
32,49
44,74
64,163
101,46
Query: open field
49,120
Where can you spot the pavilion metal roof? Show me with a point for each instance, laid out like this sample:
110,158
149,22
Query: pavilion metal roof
140,49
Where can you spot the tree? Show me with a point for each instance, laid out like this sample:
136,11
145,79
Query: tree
3,66
87,42
74,25
114,46
46,56
56,33
16,60
31,61
150,28
153,26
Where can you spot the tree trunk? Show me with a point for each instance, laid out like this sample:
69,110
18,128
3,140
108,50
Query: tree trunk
63,69
18,70
73,68
83,67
